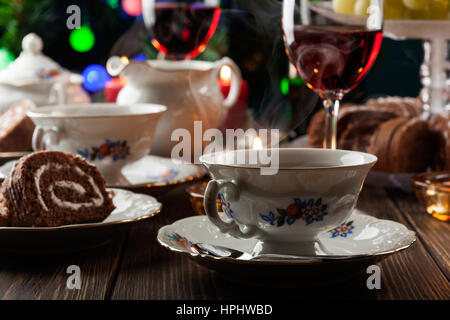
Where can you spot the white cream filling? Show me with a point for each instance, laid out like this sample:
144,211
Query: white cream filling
96,201
78,188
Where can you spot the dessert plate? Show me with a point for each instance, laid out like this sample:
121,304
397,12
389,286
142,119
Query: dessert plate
363,238
130,208
8,156
150,171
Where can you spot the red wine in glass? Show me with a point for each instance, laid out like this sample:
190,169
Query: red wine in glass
331,54
182,31
333,58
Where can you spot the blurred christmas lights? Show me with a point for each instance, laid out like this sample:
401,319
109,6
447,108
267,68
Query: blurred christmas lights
140,57
132,7
95,77
113,3
6,57
82,40
284,86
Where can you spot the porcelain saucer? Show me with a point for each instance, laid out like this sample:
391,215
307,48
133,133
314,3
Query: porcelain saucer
361,234
130,208
150,171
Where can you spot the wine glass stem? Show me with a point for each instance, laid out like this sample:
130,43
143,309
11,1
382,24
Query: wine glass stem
331,111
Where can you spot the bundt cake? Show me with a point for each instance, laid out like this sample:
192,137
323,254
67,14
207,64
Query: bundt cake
390,128
440,125
402,106
355,126
403,145
52,188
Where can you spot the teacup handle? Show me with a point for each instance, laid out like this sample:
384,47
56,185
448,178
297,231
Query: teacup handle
39,134
236,79
231,193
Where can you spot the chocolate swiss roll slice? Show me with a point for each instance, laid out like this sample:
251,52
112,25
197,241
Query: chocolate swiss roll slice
51,188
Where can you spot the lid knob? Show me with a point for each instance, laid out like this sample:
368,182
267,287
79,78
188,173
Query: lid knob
32,43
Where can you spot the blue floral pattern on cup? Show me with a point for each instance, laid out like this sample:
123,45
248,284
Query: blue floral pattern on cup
310,211
226,206
117,150
180,240
342,230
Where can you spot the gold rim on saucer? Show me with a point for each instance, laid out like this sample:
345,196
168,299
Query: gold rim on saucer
159,184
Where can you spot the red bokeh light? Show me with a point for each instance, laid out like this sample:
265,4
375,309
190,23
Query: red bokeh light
132,7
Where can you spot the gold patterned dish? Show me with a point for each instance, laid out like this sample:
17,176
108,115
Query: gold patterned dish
130,208
363,239
10,156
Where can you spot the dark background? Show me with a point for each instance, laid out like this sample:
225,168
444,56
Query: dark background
249,32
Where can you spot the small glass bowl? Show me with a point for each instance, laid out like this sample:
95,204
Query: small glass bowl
433,190
196,193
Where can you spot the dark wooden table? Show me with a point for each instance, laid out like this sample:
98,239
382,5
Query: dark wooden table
134,266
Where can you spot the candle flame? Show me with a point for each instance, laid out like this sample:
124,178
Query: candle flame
124,60
156,44
225,75
257,143
122,81
292,71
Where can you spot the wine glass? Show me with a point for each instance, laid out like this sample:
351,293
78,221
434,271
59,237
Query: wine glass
332,52
181,29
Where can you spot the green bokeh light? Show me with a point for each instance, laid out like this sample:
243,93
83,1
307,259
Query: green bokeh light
113,3
284,86
289,113
82,40
6,57
297,81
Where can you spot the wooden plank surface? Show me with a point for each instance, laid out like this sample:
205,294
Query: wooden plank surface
135,266
45,277
411,274
149,271
434,234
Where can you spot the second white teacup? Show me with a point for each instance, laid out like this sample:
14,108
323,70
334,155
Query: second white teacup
314,191
107,135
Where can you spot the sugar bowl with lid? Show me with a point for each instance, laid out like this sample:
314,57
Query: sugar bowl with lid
34,76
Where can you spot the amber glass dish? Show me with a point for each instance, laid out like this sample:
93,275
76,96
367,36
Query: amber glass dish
196,194
433,190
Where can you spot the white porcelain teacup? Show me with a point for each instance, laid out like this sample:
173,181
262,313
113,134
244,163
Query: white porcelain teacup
107,135
313,191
